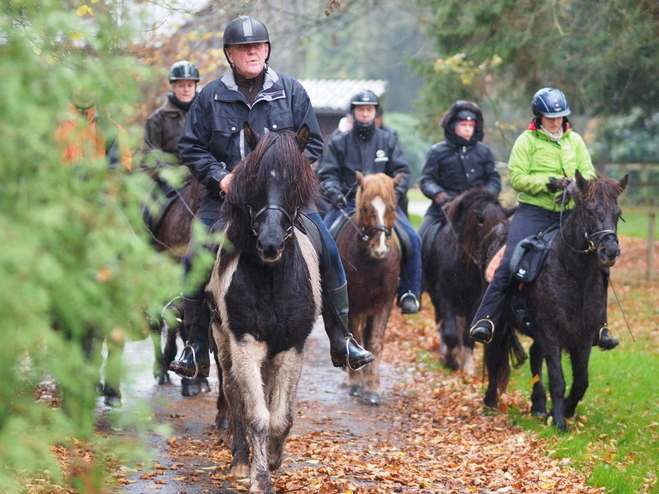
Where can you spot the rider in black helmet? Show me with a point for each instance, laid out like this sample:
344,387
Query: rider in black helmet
371,150
212,144
542,164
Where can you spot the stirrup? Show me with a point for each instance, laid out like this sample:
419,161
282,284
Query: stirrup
407,295
350,338
486,320
605,327
194,359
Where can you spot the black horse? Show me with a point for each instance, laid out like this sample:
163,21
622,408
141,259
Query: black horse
265,295
452,273
566,305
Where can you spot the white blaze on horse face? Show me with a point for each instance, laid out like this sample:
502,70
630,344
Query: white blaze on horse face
380,250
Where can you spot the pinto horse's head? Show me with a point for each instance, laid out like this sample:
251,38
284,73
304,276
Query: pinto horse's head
597,208
375,204
270,187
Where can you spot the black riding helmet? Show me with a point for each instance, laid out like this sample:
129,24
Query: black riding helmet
364,97
245,30
183,71
552,103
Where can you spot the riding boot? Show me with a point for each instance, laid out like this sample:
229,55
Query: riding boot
195,359
344,349
482,331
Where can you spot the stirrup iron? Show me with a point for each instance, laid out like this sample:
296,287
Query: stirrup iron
348,339
488,321
194,359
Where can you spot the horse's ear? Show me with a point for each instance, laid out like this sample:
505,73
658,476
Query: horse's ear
623,182
398,178
303,137
251,137
582,183
360,177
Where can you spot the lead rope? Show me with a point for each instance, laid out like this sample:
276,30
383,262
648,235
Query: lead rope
621,311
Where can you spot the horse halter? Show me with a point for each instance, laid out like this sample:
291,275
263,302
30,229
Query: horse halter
592,246
274,207
366,234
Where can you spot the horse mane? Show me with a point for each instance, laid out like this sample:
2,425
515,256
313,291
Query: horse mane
276,159
607,188
460,215
374,185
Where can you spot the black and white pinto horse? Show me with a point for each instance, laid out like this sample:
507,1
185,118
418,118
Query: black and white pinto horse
265,294
566,303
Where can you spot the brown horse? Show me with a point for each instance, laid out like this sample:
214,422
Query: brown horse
371,257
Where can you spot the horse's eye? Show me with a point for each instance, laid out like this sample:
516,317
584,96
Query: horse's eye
364,210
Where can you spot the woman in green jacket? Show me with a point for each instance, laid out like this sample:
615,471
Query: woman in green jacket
542,166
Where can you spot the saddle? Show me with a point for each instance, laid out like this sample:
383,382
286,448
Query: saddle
403,238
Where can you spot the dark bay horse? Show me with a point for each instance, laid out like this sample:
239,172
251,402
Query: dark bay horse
371,258
567,302
452,273
173,235
265,294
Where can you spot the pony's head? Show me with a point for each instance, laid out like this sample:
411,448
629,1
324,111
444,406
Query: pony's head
472,215
375,206
270,187
597,212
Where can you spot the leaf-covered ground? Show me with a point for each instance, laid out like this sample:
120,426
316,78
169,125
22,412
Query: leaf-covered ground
430,435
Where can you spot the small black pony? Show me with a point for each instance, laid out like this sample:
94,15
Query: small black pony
567,302
452,274
265,295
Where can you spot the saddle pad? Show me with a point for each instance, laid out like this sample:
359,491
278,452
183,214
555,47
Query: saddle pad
494,264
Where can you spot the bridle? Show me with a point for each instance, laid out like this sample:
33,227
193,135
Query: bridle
592,245
274,207
366,234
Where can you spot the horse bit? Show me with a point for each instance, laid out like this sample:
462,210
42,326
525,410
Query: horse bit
274,207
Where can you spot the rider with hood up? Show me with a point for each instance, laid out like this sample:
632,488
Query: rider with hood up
459,162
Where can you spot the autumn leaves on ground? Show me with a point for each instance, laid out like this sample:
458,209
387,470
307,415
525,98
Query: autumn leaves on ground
430,435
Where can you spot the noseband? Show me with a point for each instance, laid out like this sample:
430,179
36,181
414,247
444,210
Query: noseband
366,234
274,207
592,245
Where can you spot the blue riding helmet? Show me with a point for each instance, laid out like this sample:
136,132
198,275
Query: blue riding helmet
550,102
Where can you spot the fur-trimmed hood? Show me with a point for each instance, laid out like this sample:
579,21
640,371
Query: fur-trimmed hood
452,114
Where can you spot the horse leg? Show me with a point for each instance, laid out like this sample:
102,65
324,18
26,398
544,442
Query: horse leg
538,394
556,388
579,386
247,360
498,366
448,329
113,368
287,369
159,365
374,340
354,380
466,347
223,412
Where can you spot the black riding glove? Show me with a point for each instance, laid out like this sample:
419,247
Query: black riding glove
555,184
569,192
336,197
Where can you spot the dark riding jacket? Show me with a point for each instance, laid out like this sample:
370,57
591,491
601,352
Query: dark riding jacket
346,153
455,165
163,129
213,142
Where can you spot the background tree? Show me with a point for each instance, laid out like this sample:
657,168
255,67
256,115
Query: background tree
602,54
74,255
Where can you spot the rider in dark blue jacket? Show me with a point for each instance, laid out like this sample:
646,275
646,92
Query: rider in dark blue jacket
213,143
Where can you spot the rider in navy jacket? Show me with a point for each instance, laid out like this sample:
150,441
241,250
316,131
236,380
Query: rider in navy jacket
455,164
213,143
371,150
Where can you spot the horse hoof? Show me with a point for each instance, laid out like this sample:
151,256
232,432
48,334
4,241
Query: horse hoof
112,401
355,390
163,379
189,388
538,412
240,471
204,387
371,399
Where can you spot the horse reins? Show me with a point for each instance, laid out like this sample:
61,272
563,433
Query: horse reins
588,237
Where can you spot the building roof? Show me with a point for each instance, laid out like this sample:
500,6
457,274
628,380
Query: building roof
335,94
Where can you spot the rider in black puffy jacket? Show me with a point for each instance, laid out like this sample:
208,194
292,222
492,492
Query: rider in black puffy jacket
456,164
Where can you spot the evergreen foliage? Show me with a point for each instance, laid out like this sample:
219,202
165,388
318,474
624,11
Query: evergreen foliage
75,258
